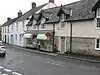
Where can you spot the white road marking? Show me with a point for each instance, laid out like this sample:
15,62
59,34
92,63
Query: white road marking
7,70
16,73
3,74
1,67
54,64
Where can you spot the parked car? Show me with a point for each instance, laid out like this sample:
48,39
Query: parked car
2,49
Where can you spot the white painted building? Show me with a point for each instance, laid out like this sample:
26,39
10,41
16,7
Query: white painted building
20,24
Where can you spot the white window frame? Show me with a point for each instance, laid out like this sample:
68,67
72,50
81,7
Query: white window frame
16,37
98,14
96,44
17,26
23,24
34,24
43,26
62,17
98,22
62,23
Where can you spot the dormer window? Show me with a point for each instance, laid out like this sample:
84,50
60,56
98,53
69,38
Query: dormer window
43,20
62,17
98,12
34,22
42,23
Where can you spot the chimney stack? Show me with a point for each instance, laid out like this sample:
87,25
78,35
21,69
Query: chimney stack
8,19
52,1
33,5
19,13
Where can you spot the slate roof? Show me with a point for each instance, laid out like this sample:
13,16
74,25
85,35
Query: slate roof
10,21
30,12
81,10
96,5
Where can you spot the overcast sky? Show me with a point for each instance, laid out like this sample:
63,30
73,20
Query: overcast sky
9,8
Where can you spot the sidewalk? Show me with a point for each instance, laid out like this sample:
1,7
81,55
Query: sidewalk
95,59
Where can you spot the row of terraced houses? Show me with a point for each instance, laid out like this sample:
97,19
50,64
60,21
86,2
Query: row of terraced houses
73,27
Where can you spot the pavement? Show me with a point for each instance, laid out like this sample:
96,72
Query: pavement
95,59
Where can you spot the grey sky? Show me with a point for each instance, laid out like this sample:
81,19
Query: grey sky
9,8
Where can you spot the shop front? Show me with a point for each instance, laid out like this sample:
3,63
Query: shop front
45,40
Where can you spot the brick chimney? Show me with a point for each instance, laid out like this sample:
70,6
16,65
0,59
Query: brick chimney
19,13
52,1
8,19
33,5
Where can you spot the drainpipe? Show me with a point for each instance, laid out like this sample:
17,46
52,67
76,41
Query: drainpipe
37,35
70,37
53,36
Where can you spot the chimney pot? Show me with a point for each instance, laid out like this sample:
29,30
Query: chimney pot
33,5
19,13
8,19
52,1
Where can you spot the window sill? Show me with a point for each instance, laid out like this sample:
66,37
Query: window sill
59,28
98,28
97,49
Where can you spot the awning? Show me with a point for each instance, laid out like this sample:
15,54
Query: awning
42,37
27,35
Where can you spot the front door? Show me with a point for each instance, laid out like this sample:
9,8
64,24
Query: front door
12,39
5,38
63,45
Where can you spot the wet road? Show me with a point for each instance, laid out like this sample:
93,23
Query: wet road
20,62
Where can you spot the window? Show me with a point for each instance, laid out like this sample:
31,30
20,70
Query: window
98,44
8,29
17,26
43,20
98,22
34,22
98,12
42,26
16,37
34,26
62,25
12,27
23,24
20,38
62,17
5,29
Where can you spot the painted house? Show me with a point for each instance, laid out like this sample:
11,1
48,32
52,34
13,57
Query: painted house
13,30
20,24
76,27
5,30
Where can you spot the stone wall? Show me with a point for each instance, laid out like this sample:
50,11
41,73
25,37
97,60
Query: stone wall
82,46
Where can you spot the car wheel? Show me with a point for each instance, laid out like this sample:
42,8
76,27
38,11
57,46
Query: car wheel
4,54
